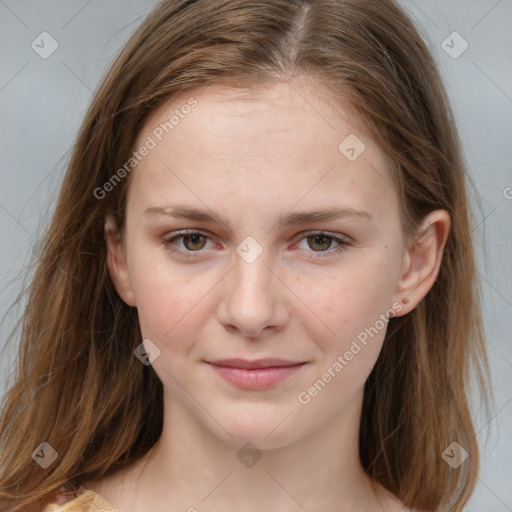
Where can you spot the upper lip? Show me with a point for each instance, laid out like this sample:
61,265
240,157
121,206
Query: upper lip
256,363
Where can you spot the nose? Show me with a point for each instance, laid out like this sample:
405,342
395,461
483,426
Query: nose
254,298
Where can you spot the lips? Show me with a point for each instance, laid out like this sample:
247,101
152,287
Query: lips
257,363
258,374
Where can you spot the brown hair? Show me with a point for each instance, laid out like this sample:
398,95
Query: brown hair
78,385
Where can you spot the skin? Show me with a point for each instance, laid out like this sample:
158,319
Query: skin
249,158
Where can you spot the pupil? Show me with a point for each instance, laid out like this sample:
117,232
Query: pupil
194,240
321,240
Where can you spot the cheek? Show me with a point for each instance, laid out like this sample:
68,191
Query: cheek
349,347
171,314
165,309
164,296
351,309
348,300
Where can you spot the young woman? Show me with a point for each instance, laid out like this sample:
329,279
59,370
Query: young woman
258,290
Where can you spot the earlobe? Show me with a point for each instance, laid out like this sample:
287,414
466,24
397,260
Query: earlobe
422,260
116,262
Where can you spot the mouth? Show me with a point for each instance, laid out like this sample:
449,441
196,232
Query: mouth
257,374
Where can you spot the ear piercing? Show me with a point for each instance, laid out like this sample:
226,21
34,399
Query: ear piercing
405,300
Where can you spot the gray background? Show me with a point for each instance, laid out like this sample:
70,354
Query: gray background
43,101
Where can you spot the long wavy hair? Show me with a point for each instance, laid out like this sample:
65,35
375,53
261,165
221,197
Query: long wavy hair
77,384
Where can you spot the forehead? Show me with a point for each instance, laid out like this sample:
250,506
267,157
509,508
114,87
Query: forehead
284,142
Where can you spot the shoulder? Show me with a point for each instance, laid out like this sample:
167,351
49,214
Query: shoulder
83,501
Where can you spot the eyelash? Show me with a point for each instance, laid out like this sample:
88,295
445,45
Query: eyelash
168,243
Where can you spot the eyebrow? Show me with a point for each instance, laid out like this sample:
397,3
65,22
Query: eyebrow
325,214
185,212
291,218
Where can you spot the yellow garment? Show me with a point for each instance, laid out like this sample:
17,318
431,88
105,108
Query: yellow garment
85,501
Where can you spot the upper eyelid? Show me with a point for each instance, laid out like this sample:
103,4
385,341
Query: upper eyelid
178,234
338,236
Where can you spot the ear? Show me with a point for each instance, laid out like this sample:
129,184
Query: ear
422,260
116,262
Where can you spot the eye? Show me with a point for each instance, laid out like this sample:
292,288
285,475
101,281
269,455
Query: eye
321,243
190,241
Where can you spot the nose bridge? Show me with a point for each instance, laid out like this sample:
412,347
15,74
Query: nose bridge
253,277
253,295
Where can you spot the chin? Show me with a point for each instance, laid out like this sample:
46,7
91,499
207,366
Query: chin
266,431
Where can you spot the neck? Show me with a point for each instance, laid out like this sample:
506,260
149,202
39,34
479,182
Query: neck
195,470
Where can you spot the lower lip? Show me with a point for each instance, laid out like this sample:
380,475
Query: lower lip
260,378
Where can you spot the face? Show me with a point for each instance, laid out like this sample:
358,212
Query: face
256,230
